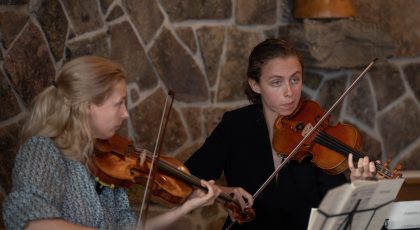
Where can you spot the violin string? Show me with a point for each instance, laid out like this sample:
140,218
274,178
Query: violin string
379,167
330,143
323,140
334,144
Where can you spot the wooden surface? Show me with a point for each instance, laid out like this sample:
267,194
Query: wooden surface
410,189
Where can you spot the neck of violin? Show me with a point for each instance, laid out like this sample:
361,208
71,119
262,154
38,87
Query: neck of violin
190,179
332,143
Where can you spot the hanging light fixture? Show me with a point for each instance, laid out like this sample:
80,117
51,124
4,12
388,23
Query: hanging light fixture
323,9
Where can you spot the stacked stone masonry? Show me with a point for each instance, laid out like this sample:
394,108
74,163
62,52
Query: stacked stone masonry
199,49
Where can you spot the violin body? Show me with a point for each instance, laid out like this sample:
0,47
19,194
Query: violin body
328,147
117,163
291,129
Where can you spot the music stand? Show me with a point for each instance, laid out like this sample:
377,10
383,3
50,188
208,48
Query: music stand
347,223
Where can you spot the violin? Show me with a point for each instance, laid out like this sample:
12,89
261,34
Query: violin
328,146
116,162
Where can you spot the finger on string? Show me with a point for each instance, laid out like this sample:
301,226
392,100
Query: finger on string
208,186
357,172
249,200
208,197
216,190
238,197
372,168
197,193
359,169
360,163
204,184
350,162
366,171
211,188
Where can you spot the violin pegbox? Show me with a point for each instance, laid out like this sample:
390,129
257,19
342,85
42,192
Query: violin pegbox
386,173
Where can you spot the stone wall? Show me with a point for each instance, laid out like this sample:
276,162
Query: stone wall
199,50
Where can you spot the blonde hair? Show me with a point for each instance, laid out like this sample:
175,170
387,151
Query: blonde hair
61,110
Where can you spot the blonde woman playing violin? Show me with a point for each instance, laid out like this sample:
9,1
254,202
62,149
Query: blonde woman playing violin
52,187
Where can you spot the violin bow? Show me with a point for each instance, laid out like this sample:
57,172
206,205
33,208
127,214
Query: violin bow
155,159
296,149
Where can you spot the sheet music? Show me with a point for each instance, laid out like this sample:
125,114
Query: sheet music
404,215
362,195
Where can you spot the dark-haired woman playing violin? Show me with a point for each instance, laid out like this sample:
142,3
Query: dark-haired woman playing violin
241,145
52,185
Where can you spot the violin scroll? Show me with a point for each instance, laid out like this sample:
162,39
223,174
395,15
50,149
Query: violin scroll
385,173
